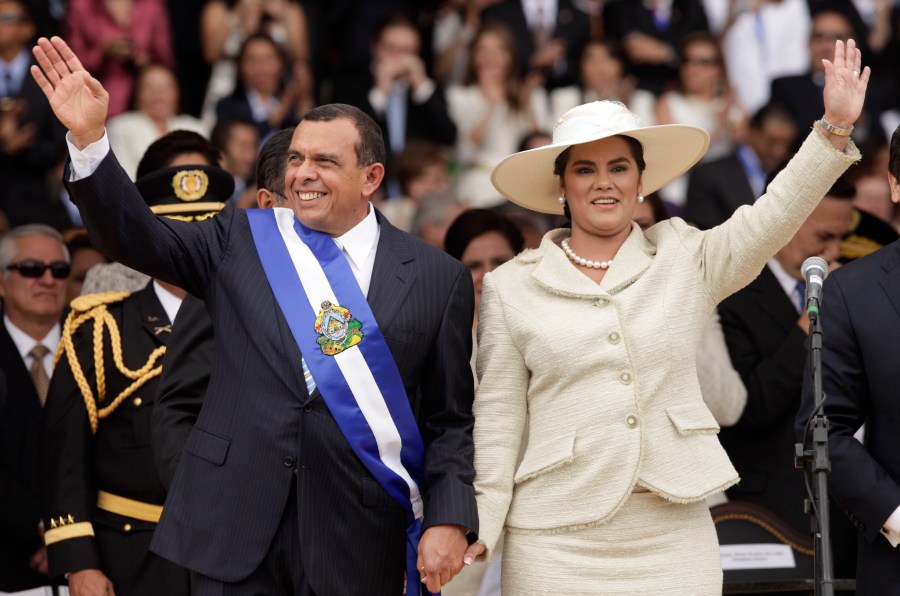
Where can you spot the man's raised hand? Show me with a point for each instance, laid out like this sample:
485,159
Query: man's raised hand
79,100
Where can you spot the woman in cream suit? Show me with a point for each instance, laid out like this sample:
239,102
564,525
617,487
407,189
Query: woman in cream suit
591,339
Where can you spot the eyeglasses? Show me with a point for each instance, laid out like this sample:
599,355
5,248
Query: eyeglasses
700,61
10,18
828,36
33,268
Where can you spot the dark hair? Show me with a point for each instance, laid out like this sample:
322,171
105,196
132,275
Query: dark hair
562,160
473,223
774,110
528,139
894,159
239,88
141,73
841,189
272,162
511,81
397,19
27,10
165,149
417,155
370,147
221,132
657,207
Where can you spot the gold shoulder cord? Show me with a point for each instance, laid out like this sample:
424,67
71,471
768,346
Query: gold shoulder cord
93,307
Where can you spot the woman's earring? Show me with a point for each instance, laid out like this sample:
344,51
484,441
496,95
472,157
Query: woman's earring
562,199
640,198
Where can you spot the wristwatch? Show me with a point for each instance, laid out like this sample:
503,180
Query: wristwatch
841,132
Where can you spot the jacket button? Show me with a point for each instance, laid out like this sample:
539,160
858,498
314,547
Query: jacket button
137,402
307,408
127,527
625,377
631,421
614,337
601,302
288,461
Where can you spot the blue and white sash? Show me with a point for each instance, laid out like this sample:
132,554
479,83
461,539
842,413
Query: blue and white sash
361,385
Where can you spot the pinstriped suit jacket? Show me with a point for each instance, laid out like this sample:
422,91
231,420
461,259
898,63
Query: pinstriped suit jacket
260,430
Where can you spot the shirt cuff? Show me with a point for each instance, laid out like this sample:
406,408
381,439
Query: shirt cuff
423,93
891,528
378,100
85,162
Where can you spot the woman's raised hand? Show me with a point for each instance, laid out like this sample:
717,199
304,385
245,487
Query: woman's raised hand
79,100
845,85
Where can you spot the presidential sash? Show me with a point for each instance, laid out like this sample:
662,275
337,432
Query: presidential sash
345,351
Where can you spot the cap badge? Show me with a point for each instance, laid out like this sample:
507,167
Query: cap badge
337,329
190,185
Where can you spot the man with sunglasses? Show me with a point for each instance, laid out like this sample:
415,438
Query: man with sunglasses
34,265
101,494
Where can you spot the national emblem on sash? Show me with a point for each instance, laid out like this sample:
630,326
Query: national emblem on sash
337,329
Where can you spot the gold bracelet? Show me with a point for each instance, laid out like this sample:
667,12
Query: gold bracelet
841,132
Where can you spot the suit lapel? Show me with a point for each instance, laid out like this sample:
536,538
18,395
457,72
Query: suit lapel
773,302
20,388
890,282
392,279
154,319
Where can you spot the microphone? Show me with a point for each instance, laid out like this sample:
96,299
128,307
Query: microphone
814,271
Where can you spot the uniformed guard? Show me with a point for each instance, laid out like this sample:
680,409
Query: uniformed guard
102,493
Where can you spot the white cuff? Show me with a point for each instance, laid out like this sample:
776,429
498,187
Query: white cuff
423,93
378,100
891,528
85,162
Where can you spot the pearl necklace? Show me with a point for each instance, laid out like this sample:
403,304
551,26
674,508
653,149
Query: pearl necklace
581,260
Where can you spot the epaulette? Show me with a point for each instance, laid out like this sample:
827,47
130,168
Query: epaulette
89,301
93,307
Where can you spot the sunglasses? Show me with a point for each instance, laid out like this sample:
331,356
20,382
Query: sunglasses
35,269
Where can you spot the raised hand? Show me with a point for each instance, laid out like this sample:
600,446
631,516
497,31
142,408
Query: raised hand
845,85
79,100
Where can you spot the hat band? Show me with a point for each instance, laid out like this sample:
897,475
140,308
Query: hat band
182,208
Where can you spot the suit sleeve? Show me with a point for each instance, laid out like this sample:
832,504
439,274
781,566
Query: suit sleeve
183,385
122,227
771,376
857,481
446,415
67,492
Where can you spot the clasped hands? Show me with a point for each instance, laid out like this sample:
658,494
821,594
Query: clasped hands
443,552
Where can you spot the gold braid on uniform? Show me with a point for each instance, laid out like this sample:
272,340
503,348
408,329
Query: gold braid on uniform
93,307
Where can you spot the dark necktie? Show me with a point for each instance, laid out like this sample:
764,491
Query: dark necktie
801,288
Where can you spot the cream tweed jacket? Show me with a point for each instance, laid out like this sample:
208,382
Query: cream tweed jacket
604,375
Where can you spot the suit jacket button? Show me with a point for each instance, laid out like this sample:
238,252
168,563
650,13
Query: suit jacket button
307,408
288,461
625,377
631,421
614,337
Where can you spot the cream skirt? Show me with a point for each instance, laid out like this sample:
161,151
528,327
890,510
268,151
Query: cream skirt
651,546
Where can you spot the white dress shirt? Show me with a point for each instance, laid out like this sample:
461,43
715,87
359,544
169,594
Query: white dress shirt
25,343
170,302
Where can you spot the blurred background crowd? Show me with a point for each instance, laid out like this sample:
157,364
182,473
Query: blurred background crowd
456,86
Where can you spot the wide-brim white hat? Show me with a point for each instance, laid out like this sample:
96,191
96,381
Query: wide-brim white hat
526,178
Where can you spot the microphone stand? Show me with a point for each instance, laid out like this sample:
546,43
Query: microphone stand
820,463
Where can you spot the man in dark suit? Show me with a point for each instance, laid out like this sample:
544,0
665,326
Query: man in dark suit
650,36
860,325
101,495
34,265
31,139
716,189
271,495
550,36
765,327
396,90
189,352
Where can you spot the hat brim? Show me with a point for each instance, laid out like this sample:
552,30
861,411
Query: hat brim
526,178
